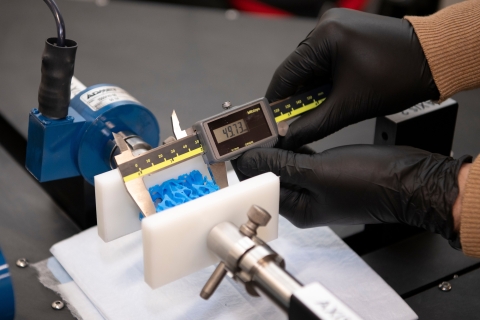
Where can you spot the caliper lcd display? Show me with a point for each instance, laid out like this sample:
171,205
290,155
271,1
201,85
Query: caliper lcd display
230,130
239,129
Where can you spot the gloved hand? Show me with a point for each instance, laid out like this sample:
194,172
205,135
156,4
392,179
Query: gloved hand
362,184
375,65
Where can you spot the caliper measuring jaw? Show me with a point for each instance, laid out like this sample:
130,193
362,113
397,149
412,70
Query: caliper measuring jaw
218,170
136,187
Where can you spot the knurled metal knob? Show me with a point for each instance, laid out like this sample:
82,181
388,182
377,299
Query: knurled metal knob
257,217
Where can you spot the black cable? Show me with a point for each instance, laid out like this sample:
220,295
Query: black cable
59,21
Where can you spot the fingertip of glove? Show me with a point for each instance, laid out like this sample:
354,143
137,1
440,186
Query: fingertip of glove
248,162
275,91
257,161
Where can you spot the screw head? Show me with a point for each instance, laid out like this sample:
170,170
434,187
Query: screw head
58,305
445,286
35,111
22,263
226,105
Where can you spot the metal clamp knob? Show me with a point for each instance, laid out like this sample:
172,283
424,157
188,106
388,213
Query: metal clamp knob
257,217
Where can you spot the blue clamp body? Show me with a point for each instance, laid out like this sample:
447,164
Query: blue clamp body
7,300
82,143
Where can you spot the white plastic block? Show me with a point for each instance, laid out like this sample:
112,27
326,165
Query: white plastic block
117,213
175,240
115,208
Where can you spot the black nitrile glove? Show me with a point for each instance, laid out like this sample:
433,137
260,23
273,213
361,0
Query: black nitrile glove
374,64
362,184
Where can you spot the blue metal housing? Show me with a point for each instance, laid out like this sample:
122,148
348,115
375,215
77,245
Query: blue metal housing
49,151
81,143
7,300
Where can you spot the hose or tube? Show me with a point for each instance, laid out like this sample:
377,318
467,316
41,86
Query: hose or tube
59,22
58,65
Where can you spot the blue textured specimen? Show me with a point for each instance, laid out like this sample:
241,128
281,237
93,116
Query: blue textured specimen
183,189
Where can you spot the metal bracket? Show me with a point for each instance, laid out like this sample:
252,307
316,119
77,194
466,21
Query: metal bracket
257,217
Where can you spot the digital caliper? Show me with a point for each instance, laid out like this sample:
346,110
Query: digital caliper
219,138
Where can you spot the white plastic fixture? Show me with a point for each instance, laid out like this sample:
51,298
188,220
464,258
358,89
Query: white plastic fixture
175,240
117,213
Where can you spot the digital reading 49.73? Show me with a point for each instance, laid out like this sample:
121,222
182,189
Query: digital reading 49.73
230,130
226,135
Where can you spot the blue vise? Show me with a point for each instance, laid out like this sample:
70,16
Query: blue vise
71,136
82,143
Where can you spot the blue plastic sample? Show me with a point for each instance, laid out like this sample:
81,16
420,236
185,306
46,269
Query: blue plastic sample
183,189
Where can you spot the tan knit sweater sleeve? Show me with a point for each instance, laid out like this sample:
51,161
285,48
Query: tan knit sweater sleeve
450,40
470,213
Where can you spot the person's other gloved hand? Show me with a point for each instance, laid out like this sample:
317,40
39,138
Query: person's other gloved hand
362,184
374,64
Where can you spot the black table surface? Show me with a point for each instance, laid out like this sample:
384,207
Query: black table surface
30,223
183,58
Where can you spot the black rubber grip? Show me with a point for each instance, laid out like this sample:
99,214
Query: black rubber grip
57,71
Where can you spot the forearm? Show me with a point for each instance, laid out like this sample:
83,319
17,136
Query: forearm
457,207
451,42
466,211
